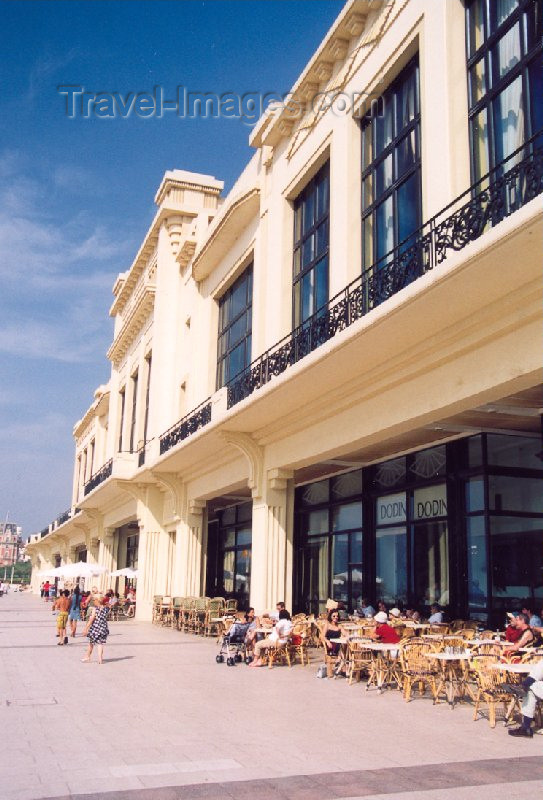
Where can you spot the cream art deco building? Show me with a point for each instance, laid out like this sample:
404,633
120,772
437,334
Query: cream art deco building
328,383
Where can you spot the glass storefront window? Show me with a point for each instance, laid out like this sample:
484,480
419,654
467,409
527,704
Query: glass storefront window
517,560
391,473
506,493
232,573
513,451
347,485
329,543
315,493
391,563
315,574
477,564
316,522
427,464
475,451
228,571
475,494
430,564
340,563
347,517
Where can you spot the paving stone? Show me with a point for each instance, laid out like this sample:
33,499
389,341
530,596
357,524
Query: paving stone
266,734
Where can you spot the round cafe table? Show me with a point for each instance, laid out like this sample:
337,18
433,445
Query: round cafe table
384,668
452,678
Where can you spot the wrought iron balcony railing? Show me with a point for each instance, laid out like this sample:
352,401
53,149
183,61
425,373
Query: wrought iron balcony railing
192,422
141,456
62,518
513,183
99,477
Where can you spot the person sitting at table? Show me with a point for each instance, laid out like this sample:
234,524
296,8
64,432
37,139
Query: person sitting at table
130,604
331,631
280,606
534,692
384,632
395,613
251,622
436,615
365,609
412,614
534,619
527,638
381,607
278,637
512,634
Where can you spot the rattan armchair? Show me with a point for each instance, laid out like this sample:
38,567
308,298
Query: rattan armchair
417,669
493,689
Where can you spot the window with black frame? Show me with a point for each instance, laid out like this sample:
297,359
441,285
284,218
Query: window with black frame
132,547
311,246
234,553
505,78
235,327
391,171
329,542
504,524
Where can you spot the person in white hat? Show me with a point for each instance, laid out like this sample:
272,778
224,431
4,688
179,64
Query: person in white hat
384,632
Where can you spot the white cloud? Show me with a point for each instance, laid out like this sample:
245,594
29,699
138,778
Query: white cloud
43,70
57,268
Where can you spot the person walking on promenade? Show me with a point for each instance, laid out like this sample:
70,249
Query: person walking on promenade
97,629
62,605
45,591
75,610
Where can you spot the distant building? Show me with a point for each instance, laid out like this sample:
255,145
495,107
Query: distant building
11,543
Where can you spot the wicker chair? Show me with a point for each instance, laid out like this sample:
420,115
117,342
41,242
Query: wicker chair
331,660
417,668
299,641
215,608
359,659
177,603
157,608
493,689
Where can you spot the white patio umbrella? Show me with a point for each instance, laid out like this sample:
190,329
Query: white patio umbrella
52,572
81,569
125,572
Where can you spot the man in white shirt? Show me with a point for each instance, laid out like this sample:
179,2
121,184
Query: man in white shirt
436,617
534,692
278,637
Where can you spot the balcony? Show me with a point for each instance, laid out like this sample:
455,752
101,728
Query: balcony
192,422
510,186
99,477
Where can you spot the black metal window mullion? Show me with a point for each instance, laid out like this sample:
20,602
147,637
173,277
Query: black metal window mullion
403,134
231,342
316,235
496,85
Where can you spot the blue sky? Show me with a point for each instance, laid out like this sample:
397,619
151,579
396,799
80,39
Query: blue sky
76,194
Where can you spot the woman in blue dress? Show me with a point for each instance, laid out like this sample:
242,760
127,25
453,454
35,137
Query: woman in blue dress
74,615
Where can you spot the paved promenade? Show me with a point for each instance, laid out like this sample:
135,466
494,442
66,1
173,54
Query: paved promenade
160,720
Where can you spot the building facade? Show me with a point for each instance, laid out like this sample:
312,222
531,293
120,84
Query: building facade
11,544
328,383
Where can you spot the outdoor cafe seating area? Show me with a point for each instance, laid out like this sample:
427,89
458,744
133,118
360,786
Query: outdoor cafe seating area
454,663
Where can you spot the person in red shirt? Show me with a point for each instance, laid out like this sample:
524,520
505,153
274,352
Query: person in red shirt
512,634
384,632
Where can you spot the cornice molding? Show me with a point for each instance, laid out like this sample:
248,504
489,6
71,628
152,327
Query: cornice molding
143,306
224,232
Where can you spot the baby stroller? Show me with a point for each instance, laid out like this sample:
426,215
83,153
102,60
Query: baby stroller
233,644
